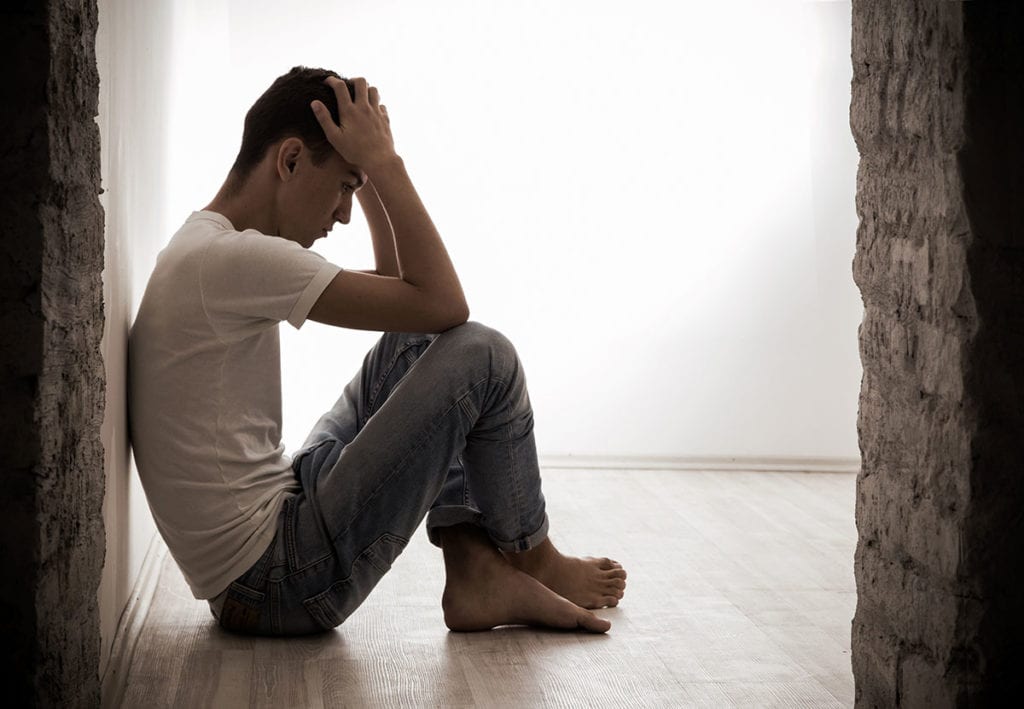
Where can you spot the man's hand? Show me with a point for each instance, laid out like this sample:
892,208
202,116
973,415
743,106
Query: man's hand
364,136
425,294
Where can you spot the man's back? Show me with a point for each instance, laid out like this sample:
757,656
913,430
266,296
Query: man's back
205,389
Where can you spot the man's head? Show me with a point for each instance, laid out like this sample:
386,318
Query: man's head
283,111
282,143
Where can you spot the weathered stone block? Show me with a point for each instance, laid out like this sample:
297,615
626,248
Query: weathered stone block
937,109
53,389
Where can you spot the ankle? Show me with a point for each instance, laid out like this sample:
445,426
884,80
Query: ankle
535,558
468,551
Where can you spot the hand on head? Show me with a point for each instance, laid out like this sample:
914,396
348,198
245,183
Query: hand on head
364,134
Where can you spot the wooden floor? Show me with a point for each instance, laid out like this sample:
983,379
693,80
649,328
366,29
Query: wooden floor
740,593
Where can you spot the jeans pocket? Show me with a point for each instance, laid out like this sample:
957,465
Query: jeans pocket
242,609
331,607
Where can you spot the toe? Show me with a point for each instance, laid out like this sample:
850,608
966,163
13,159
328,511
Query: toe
616,590
591,622
610,601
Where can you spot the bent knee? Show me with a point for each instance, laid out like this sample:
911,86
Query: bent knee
479,335
477,341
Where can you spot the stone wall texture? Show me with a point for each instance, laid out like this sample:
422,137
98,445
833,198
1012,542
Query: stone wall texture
51,401
937,109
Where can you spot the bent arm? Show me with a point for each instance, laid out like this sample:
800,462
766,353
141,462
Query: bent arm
425,294
423,260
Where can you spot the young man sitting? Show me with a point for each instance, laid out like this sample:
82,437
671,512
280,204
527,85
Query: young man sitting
437,423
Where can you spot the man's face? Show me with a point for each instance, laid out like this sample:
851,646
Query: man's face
316,197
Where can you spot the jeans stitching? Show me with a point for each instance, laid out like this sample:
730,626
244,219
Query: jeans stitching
300,569
465,481
317,518
291,549
513,468
320,605
274,600
516,481
379,384
516,478
401,464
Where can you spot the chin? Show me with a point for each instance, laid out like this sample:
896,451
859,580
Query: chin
305,241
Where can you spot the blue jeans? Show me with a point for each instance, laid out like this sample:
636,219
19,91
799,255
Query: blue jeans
432,425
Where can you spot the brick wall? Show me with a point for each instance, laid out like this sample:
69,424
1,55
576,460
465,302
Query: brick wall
936,112
51,256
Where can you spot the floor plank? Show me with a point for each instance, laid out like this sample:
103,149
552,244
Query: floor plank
741,593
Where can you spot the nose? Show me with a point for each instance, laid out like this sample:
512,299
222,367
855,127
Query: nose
343,213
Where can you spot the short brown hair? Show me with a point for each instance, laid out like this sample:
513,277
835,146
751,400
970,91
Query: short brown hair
282,112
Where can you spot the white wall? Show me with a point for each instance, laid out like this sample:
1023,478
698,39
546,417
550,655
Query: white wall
654,200
133,52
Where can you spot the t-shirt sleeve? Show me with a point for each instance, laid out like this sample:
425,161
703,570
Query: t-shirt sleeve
250,281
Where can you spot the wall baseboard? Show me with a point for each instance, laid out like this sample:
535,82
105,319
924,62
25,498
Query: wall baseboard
738,463
129,627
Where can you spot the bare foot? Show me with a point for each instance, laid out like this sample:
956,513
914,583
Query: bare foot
483,590
590,582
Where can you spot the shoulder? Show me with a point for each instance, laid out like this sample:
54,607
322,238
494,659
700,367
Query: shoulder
252,247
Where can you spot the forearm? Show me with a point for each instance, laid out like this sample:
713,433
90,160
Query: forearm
429,283
422,259
380,231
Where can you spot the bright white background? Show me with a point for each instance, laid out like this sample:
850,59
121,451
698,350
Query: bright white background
653,200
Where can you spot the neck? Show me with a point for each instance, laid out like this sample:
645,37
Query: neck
247,205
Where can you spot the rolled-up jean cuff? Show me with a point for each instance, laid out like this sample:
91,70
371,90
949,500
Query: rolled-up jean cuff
451,515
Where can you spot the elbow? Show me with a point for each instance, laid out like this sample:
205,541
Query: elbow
458,317
455,317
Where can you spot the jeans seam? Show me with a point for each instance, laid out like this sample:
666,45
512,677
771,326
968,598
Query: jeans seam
516,481
291,549
513,467
465,481
274,599
386,372
401,464
302,568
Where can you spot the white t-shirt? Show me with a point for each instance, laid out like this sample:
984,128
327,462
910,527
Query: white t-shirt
205,391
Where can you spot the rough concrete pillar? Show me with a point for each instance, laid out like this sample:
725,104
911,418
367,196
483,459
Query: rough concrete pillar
937,112
51,317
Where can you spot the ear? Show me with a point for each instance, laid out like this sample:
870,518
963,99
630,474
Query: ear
288,157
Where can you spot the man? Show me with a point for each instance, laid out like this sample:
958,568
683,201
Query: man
437,423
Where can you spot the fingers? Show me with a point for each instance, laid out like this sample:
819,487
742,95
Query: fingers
340,90
363,129
362,89
341,95
363,92
323,117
